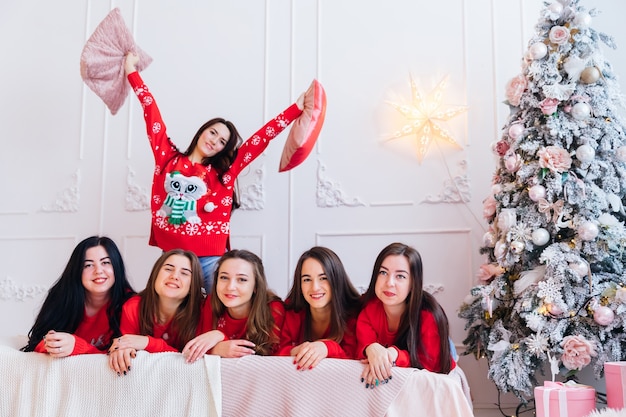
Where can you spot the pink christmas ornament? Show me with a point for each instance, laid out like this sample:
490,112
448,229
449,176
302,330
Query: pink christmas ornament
537,192
540,237
516,130
588,231
554,309
603,316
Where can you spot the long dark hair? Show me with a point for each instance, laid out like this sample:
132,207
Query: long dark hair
410,324
260,326
187,317
224,158
345,299
64,307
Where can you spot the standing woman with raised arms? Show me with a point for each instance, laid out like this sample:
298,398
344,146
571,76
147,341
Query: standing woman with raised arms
193,192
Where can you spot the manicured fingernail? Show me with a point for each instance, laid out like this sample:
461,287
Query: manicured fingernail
298,367
367,385
294,362
362,380
311,367
124,372
390,378
129,369
376,382
118,374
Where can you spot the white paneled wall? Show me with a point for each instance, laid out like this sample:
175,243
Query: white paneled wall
70,169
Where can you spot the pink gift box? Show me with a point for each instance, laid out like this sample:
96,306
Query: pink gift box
556,399
615,376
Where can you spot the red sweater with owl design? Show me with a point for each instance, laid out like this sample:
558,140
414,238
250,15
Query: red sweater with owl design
190,206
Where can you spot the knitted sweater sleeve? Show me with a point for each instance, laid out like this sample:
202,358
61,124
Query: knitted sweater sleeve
257,143
162,146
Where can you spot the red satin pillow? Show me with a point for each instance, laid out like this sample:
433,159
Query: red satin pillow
305,129
102,60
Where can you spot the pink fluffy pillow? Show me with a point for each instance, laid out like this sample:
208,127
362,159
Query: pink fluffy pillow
306,128
102,60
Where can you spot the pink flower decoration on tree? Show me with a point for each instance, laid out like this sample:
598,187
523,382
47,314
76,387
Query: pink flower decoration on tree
577,352
549,105
501,147
554,158
559,35
487,272
515,88
489,207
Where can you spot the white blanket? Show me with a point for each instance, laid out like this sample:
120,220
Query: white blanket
159,384
271,386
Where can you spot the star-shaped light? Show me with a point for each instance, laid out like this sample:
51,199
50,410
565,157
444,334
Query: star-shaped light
425,115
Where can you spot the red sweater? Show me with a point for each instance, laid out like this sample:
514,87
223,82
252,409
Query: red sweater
292,335
236,328
197,217
93,334
372,327
161,333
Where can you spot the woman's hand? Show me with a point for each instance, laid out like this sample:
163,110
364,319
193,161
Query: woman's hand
379,362
198,346
130,62
129,341
309,354
233,348
120,360
59,344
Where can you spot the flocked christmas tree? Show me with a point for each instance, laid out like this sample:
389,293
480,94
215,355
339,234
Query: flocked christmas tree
553,288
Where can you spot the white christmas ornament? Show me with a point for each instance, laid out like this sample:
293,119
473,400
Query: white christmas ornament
516,130
540,237
579,267
581,111
537,50
537,192
556,8
489,240
603,315
582,20
588,231
585,153
507,219
517,247
620,153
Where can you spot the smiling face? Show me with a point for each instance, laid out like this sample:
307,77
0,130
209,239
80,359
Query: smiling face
235,286
315,285
174,278
211,142
98,276
393,283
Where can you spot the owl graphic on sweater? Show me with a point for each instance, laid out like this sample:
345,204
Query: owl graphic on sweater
180,204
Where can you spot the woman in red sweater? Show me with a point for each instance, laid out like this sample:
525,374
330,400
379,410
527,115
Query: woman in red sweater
321,311
165,315
241,316
193,192
81,313
401,324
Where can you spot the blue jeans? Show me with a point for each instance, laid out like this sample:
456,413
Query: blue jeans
208,264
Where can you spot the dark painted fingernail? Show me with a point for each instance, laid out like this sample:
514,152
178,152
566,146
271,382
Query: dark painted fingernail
362,380
124,372
129,369
390,378
367,385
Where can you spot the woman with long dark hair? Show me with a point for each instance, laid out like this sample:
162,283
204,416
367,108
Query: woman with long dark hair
81,313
